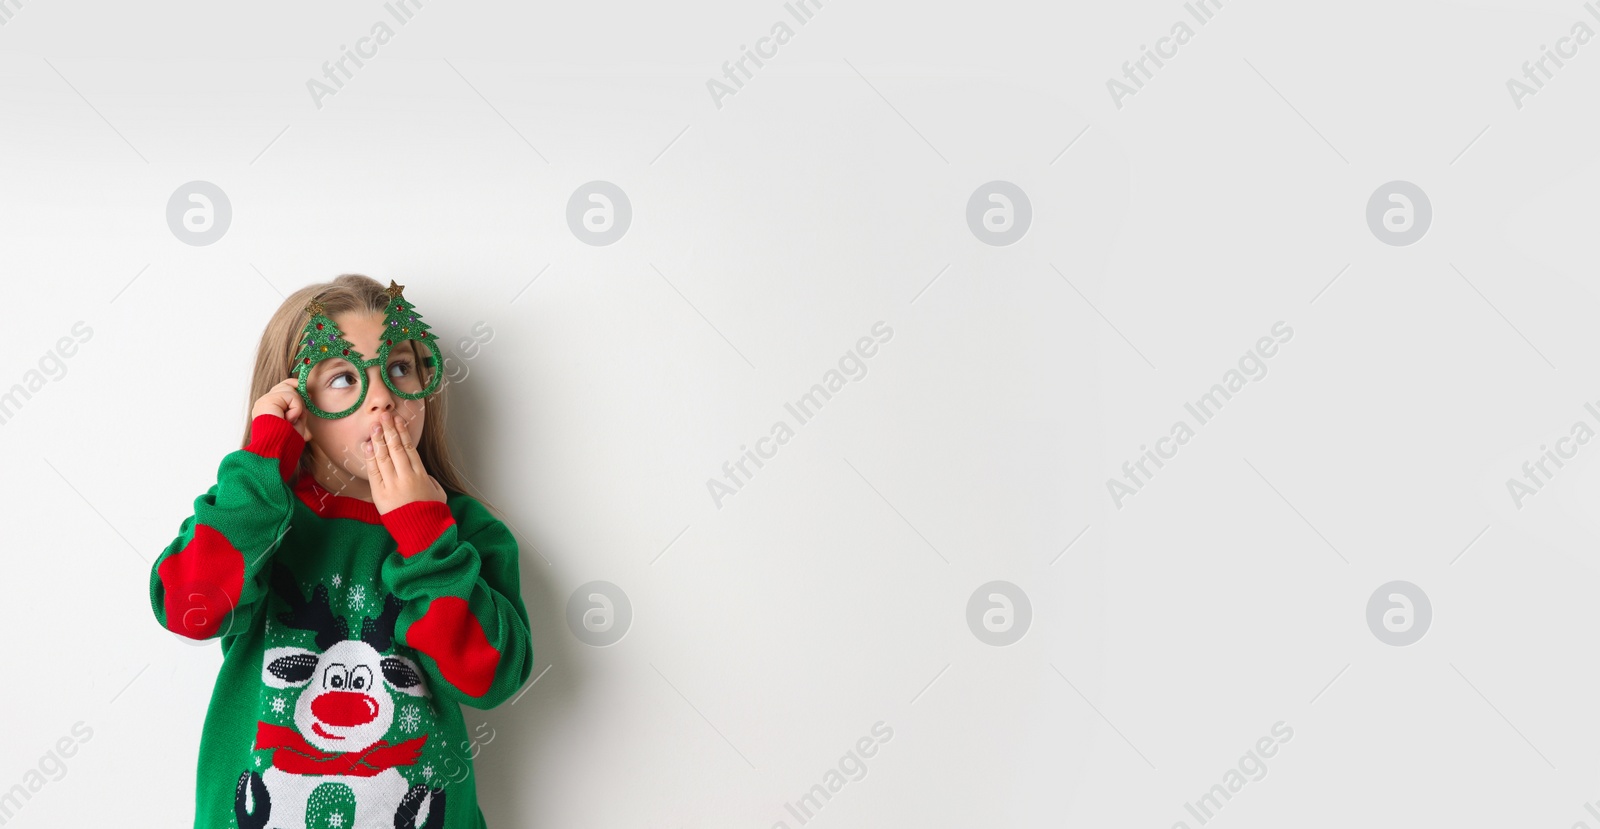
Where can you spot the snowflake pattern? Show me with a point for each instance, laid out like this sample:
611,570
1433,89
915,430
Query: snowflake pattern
278,705
336,819
358,596
337,579
427,771
410,719
258,760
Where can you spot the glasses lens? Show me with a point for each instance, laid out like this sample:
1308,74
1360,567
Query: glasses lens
408,371
334,385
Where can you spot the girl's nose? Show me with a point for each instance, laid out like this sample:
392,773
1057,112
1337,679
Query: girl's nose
378,396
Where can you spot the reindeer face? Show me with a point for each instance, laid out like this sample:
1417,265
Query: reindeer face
348,699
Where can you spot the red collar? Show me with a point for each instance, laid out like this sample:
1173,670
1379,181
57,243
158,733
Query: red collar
295,755
331,505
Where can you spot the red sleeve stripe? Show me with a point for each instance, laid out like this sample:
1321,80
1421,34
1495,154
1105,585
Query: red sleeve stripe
450,634
415,526
202,583
273,437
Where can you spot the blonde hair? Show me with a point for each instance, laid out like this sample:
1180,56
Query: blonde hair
280,341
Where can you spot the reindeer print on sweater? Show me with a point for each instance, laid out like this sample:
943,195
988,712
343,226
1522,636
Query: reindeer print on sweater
338,709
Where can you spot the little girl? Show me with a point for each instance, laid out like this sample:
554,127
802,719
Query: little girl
361,595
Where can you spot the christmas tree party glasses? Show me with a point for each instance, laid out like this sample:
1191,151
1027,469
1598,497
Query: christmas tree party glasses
333,374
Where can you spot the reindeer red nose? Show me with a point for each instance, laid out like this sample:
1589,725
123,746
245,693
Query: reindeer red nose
344,708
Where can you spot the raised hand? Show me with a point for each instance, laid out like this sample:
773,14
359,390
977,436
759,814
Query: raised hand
394,469
284,401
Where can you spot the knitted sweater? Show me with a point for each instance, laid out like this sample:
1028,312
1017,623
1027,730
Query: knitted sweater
350,639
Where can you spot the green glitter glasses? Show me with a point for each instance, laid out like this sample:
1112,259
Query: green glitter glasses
333,374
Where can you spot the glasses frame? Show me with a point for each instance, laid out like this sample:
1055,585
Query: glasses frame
434,361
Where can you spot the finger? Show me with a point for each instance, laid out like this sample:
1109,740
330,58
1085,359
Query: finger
374,474
380,452
410,450
295,413
301,418
397,455
406,455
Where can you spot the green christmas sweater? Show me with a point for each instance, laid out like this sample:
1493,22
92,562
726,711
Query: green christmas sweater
350,640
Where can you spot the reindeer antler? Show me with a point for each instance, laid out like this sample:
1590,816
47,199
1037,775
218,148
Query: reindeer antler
315,615
379,633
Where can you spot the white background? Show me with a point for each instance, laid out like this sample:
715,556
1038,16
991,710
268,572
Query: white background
768,235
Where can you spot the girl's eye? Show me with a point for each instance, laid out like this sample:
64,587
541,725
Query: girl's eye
342,380
400,369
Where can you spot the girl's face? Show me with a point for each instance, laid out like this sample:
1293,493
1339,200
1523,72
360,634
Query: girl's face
341,441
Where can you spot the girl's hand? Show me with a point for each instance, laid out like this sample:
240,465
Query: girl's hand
284,401
394,469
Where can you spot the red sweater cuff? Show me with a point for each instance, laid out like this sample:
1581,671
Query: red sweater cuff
415,526
273,437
